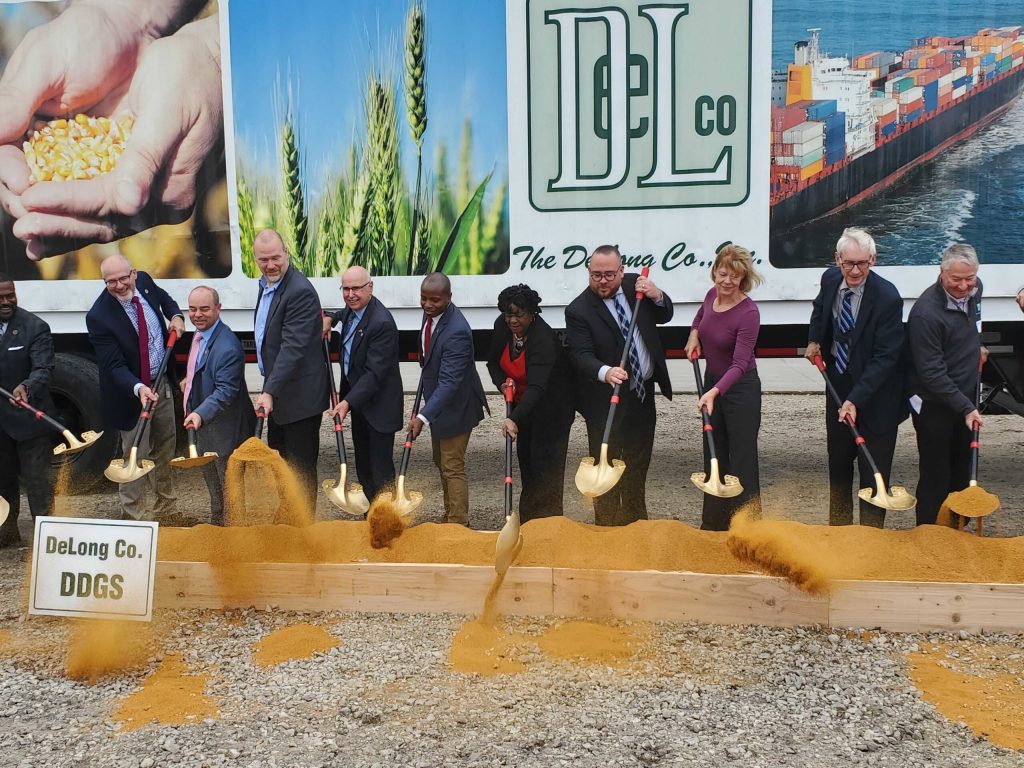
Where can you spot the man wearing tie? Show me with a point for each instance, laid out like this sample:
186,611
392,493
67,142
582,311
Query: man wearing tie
127,331
216,401
857,328
453,396
371,383
944,335
597,321
26,365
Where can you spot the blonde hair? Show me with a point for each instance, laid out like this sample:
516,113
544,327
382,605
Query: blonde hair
739,260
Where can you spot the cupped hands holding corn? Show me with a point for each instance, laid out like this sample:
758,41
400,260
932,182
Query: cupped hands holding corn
81,148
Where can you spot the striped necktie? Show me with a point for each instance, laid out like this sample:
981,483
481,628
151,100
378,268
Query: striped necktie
636,372
845,325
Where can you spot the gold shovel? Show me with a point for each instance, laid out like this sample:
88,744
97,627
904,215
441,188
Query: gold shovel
5,510
350,499
131,467
712,483
74,445
595,478
193,458
407,502
897,497
510,540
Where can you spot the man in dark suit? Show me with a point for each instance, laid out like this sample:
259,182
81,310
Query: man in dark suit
216,400
288,330
857,328
453,396
127,331
26,364
371,383
596,322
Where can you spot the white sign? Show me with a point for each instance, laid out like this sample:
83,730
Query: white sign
98,569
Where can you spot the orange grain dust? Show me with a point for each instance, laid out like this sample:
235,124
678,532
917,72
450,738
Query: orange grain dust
169,696
590,643
260,488
486,650
99,648
299,641
384,522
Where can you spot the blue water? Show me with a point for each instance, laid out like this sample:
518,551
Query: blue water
973,193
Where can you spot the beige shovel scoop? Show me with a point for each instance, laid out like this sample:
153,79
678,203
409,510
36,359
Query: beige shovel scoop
713,483
193,458
74,445
347,498
5,510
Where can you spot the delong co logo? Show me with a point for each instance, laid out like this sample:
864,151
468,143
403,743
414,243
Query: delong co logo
638,105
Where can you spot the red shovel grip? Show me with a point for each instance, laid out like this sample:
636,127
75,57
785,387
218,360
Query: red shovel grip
172,338
818,363
645,272
510,389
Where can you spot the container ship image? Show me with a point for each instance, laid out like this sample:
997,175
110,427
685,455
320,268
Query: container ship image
843,131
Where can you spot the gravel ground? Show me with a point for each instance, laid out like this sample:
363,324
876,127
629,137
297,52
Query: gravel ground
696,695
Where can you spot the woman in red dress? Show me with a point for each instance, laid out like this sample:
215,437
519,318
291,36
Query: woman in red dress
527,350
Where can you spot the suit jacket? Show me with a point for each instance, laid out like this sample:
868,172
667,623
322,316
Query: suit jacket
293,358
373,386
550,384
116,343
219,394
595,340
876,367
453,394
26,357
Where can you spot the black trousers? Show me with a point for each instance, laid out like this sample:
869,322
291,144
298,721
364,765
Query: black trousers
944,464
842,453
632,440
25,462
541,446
375,456
299,445
736,420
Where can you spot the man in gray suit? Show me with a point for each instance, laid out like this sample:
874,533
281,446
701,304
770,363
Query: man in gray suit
453,396
216,399
296,390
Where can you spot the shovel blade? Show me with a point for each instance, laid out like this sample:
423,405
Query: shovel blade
349,499
595,478
74,445
715,484
188,462
126,471
508,545
897,498
973,501
5,510
405,502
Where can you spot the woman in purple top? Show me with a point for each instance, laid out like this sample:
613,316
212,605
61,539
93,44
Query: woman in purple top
725,333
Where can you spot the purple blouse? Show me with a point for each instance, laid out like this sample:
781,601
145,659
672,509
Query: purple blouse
728,338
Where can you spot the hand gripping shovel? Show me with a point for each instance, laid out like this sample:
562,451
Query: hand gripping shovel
193,458
407,503
713,482
897,497
595,478
74,445
350,499
510,541
132,468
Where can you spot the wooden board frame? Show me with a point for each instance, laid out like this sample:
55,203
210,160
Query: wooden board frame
565,592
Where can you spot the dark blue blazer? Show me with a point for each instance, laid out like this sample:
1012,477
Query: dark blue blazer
373,387
116,343
219,394
26,357
453,394
876,367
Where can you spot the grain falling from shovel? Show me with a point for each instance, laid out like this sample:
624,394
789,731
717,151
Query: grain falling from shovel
386,525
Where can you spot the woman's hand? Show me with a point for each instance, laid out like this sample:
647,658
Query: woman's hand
693,345
510,429
708,401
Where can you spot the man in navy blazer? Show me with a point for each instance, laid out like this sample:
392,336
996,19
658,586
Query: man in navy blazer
289,351
857,328
371,383
26,368
453,396
216,400
126,375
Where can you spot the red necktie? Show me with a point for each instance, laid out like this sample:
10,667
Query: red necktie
426,338
145,374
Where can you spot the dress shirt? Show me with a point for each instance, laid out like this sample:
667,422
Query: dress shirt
262,311
857,297
349,328
638,342
154,329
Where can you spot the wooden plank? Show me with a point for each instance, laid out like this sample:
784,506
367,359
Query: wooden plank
906,606
376,587
657,595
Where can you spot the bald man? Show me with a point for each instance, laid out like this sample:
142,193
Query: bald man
371,384
289,352
127,331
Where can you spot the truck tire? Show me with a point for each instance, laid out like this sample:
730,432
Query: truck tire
76,393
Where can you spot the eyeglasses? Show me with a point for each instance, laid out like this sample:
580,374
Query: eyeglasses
122,280
354,288
604,277
849,266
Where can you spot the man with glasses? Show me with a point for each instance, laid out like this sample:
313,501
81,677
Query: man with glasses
857,328
944,335
596,322
370,387
127,331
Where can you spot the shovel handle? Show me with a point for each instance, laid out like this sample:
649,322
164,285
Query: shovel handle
857,438
510,389
339,429
147,410
40,416
261,415
191,438
976,431
407,448
614,402
705,417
